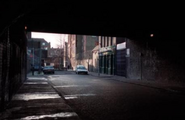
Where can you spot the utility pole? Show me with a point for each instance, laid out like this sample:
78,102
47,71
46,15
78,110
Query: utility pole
33,52
33,56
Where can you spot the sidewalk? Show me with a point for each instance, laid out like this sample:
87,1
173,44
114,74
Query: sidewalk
36,74
172,87
36,99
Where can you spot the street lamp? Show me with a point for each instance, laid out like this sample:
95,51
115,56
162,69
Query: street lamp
151,35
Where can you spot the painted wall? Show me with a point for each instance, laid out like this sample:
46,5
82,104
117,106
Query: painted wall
95,61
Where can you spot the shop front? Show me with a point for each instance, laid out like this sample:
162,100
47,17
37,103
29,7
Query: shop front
107,60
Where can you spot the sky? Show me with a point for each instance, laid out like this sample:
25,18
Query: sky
53,38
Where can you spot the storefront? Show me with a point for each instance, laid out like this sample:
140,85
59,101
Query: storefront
107,60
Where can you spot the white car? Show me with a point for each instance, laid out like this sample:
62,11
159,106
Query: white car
48,69
81,69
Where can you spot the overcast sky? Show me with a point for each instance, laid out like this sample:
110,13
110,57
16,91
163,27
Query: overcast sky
53,38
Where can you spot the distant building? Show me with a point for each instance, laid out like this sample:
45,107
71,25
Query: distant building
55,56
95,58
55,52
38,43
112,55
80,50
71,51
66,60
37,50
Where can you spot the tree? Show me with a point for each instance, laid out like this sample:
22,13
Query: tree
61,41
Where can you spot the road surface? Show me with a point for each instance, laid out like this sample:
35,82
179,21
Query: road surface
95,98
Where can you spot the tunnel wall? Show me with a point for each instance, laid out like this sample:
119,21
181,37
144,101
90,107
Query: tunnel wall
12,63
161,61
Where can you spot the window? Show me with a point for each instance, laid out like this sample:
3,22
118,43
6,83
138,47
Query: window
113,40
110,41
105,41
43,43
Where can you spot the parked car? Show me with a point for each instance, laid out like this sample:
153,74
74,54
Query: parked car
81,69
48,69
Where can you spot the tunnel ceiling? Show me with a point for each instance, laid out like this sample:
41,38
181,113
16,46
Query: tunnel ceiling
110,18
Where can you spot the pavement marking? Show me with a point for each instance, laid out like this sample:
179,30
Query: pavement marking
35,83
59,115
66,86
36,78
67,97
70,97
33,96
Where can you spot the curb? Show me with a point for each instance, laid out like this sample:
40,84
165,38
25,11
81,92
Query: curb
144,84
61,94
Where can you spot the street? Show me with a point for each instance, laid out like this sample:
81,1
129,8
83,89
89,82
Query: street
95,98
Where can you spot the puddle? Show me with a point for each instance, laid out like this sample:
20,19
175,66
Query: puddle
65,86
33,96
35,83
57,115
67,97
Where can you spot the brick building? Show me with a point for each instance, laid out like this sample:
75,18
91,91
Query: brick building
80,50
55,57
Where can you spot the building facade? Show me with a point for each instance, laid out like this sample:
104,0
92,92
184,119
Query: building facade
107,55
37,50
103,54
112,55
87,44
55,57
120,59
80,50
65,59
71,51
95,59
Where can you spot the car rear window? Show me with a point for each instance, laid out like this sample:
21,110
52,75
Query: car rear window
48,66
81,67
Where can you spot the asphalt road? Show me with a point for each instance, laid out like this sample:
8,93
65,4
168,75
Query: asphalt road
94,98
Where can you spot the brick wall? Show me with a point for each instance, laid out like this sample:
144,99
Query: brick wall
12,63
157,61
